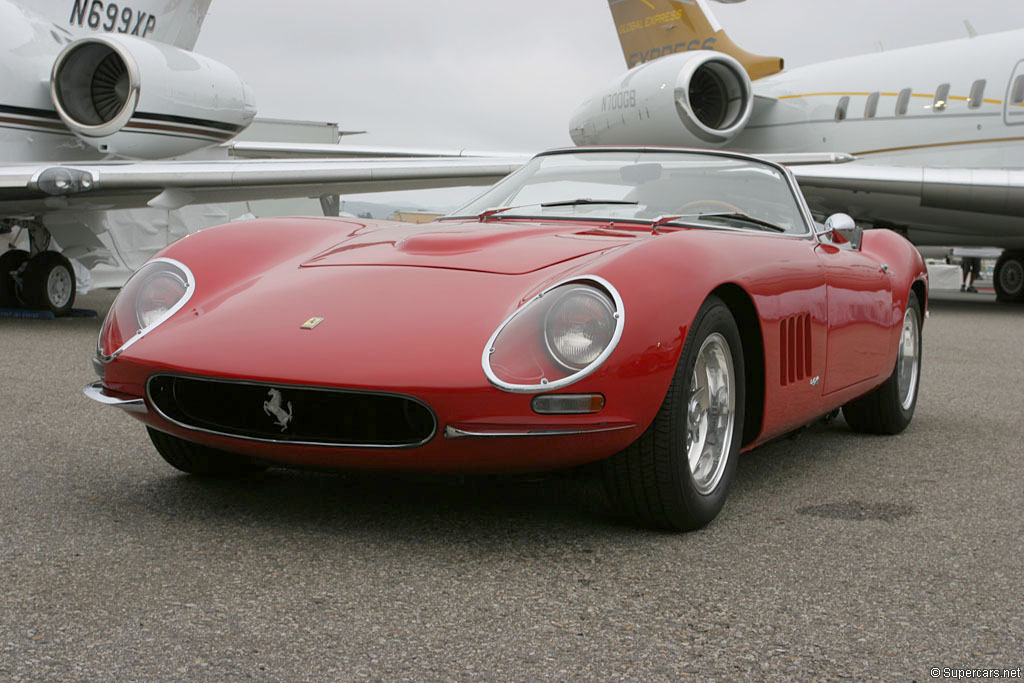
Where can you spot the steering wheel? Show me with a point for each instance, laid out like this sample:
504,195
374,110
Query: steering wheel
716,206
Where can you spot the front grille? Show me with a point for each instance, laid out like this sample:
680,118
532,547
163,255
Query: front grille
282,413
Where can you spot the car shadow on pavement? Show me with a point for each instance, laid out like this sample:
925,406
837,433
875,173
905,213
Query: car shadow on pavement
384,502
571,501
563,503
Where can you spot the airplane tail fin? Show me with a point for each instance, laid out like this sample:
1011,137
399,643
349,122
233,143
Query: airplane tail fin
175,22
649,29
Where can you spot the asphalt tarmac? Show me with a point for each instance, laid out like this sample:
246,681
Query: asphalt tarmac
837,555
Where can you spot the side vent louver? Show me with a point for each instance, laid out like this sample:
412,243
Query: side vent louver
795,348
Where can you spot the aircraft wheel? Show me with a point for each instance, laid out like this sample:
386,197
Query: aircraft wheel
1009,277
889,408
677,474
9,262
200,460
48,282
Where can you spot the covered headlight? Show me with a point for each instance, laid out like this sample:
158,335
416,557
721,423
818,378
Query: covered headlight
157,296
152,295
557,338
579,326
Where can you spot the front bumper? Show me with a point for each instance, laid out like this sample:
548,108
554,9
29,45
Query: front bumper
99,393
526,442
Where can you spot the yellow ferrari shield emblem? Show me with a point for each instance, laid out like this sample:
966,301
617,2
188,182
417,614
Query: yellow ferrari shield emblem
311,323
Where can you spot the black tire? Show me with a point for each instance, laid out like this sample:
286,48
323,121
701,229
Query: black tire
10,261
886,410
1008,277
48,282
651,481
200,460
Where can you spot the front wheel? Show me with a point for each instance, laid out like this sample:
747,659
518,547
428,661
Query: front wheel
889,408
48,282
200,460
677,474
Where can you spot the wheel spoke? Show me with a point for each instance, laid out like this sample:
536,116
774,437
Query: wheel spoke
907,362
710,415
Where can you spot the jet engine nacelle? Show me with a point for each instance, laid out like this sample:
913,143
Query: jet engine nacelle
136,98
692,99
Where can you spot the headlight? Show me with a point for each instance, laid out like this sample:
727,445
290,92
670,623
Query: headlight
152,295
557,338
579,326
158,296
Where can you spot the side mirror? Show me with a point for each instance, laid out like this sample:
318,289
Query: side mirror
841,231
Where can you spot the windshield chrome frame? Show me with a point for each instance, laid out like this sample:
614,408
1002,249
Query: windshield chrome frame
790,179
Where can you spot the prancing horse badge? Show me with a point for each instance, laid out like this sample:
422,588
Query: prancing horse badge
311,323
274,406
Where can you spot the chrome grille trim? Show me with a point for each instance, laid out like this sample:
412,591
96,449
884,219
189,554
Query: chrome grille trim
289,387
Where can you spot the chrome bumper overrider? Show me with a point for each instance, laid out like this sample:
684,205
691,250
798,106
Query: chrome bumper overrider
98,393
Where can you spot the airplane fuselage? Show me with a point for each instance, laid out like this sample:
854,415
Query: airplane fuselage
30,129
951,104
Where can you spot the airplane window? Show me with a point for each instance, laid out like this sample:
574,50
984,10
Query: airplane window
977,94
871,106
902,101
1017,95
941,98
844,103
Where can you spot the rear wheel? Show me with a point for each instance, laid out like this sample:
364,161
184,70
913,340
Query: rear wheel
889,408
10,261
677,474
200,460
1008,277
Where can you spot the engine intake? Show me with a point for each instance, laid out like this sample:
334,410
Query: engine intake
95,87
713,98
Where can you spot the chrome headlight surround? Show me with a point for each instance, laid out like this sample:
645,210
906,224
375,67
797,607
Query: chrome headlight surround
602,290
127,302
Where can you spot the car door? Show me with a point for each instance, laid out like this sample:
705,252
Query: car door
859,294
789,292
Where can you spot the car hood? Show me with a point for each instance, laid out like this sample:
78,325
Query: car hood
503,247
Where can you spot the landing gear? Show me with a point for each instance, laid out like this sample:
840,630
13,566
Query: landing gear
47,281
1009,277
38,278
10,263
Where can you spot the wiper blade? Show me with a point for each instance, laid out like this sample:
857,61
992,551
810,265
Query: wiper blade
735,215
586,200
484,215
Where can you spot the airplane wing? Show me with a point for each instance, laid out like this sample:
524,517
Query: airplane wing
245,149
35,189
992,191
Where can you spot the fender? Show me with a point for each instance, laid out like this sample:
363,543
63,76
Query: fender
906,270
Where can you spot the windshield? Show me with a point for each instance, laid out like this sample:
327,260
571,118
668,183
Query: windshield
719,191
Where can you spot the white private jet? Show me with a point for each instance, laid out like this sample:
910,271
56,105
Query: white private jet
937,130
97,95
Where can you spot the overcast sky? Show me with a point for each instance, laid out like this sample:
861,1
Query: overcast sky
507,75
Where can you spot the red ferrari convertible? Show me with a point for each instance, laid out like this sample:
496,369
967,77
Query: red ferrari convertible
651,311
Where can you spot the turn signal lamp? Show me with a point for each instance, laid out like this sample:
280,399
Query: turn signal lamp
567,404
